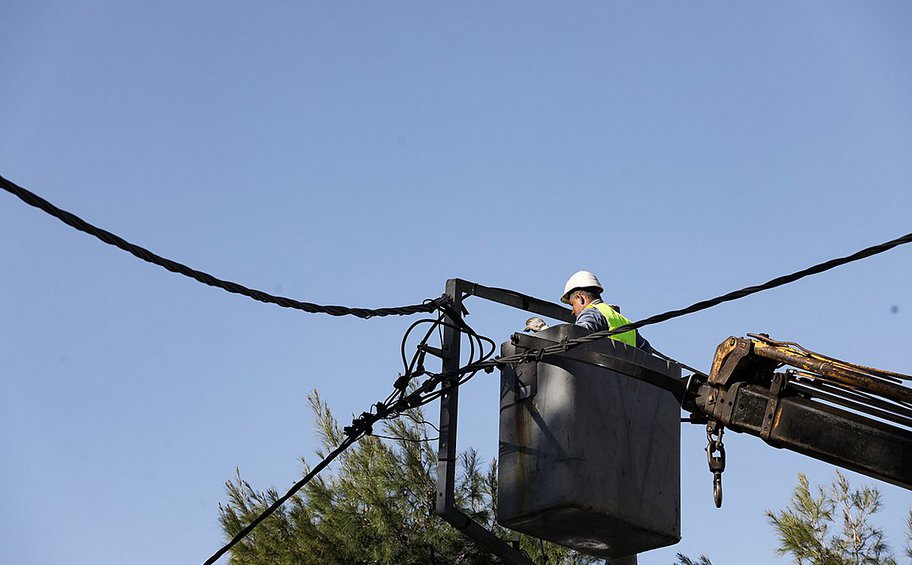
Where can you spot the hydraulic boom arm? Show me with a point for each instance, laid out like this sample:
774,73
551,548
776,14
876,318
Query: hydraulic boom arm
849,415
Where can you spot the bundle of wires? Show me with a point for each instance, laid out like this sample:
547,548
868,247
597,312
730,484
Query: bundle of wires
404,397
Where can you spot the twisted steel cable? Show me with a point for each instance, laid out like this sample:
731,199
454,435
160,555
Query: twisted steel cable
281,500
359,428
424,394
414,398
78,223
702,305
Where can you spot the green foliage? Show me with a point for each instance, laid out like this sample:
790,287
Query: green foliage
376,508
909,535
832,527
684,560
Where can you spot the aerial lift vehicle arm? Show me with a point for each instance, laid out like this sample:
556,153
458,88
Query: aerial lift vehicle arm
849,415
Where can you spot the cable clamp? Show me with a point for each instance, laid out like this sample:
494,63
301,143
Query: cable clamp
361,424
777,386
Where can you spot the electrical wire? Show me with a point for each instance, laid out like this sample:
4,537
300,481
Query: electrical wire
406,439
704,304
683,365
363,425
423,394
281,500
78,223
398,401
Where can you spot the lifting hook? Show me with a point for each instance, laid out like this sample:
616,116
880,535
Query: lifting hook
715,456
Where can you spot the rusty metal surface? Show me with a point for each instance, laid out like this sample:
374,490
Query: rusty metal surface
734,360
829,370
888,375
827,409
820,431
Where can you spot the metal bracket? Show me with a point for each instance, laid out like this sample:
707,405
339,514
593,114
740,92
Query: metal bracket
778,384
725,402
445,507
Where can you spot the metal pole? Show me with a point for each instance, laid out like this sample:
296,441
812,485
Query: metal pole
445,506
449,406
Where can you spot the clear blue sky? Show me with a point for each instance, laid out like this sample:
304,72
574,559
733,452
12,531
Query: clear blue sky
363,153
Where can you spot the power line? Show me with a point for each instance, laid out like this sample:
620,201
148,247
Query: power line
398,402
78,223
395,405
280,501
698,306
423,394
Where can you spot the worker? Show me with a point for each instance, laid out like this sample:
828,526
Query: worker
583,292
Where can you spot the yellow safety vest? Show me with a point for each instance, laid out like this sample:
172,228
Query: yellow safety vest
616,320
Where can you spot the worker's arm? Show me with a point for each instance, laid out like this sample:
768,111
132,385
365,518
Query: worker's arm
592,320
643,344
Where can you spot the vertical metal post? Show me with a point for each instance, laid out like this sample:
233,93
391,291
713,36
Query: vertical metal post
449,406
445,506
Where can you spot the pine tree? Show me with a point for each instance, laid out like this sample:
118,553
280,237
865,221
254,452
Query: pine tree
684,560
834,527
376,508
909,535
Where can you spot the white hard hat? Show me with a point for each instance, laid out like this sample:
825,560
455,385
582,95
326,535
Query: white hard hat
580,279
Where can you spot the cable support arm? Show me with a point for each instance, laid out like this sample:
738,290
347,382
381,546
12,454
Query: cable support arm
445,507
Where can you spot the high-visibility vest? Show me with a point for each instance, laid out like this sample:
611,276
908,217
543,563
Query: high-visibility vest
615,320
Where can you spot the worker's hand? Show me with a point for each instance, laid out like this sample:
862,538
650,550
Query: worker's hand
535,324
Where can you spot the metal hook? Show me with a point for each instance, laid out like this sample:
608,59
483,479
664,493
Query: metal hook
715,456
717,489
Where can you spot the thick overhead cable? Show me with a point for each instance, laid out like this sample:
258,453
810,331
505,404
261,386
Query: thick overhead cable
704,304
281,500
423,394
111,239
396,403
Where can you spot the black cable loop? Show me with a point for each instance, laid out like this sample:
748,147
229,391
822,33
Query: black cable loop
78,223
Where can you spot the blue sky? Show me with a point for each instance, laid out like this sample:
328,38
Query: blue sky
362,154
